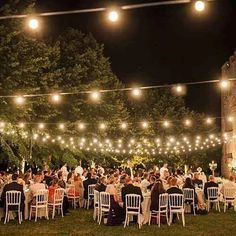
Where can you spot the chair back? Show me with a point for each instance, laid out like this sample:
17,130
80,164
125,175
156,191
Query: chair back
91,190
41,197
58,196
176,201
96,198
212,193
163,201
188,194
132,203
70,190
13,198
105,201
229,193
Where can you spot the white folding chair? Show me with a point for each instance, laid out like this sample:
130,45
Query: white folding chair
57,202
41,202
229,197
96,205
176,206
90,195
13,199
189,198
105,204
213,197
163,209
132,207
70,190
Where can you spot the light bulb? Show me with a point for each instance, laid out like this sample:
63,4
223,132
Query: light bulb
95,96
224,84
33,24
41,126
56,98
123,125
19,100
136,92
113,16
199,6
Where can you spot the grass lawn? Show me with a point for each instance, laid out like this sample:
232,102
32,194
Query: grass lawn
80,222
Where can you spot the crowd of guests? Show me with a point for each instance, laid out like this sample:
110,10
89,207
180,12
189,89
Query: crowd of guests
117,182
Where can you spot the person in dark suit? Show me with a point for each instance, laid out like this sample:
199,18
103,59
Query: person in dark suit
174,189
130,189
86,183
197,181
211,183
13,186
129,170
47,178
101,185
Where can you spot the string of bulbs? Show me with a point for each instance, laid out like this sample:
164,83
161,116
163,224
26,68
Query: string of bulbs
95,95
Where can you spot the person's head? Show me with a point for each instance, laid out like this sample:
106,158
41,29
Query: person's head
45,172
173,181
196,175
231,178
122,179
153,179
211,178
59,174
158,187
37,179
14,177
55,182
112,180
188,181
89,175
103,180
146,176
128,180
69,176
165,165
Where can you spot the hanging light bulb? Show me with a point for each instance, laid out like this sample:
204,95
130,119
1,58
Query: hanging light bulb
136,92
123,125
144,124
33,23
199,5
230,118
61,126
209,121
187,122
41,126
113,16
95,96
81,126
102,126
21,125
56,98
19,100
166,124
224,84
2,124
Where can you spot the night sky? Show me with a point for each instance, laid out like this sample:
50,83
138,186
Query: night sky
159,45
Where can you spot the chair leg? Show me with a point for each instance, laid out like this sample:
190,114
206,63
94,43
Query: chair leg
208,206
126,216
30,213
100,218
218,203
6,217
19,217
183,219
149,219
62,211
159,219
88,204
36,214
46,209
53,212
139,221
225,206
171,217
167,220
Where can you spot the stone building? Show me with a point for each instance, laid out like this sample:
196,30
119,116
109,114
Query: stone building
228,121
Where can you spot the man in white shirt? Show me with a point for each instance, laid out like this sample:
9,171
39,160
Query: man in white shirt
145,182
163,170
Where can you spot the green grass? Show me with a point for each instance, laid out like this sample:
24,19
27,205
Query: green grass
80,222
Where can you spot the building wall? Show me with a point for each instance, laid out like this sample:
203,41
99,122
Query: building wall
228,108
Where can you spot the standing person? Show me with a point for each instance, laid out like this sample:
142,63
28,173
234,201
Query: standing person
64,171
129,170
145,182
79,170
163,170
17,187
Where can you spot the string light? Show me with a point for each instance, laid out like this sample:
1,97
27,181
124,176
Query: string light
33,24
102,126
81,126
123,125
136,92
230,118
56,98
61,126
224,84
179,90
95,96
19,100
166,124
113,16
21,125
209,121
199,6
41,126
144,124
2,124
187,122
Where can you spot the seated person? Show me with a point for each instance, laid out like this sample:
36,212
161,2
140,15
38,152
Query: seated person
51,189
145,182
14,186
155,193
197,181
101,185
211,183
35,187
